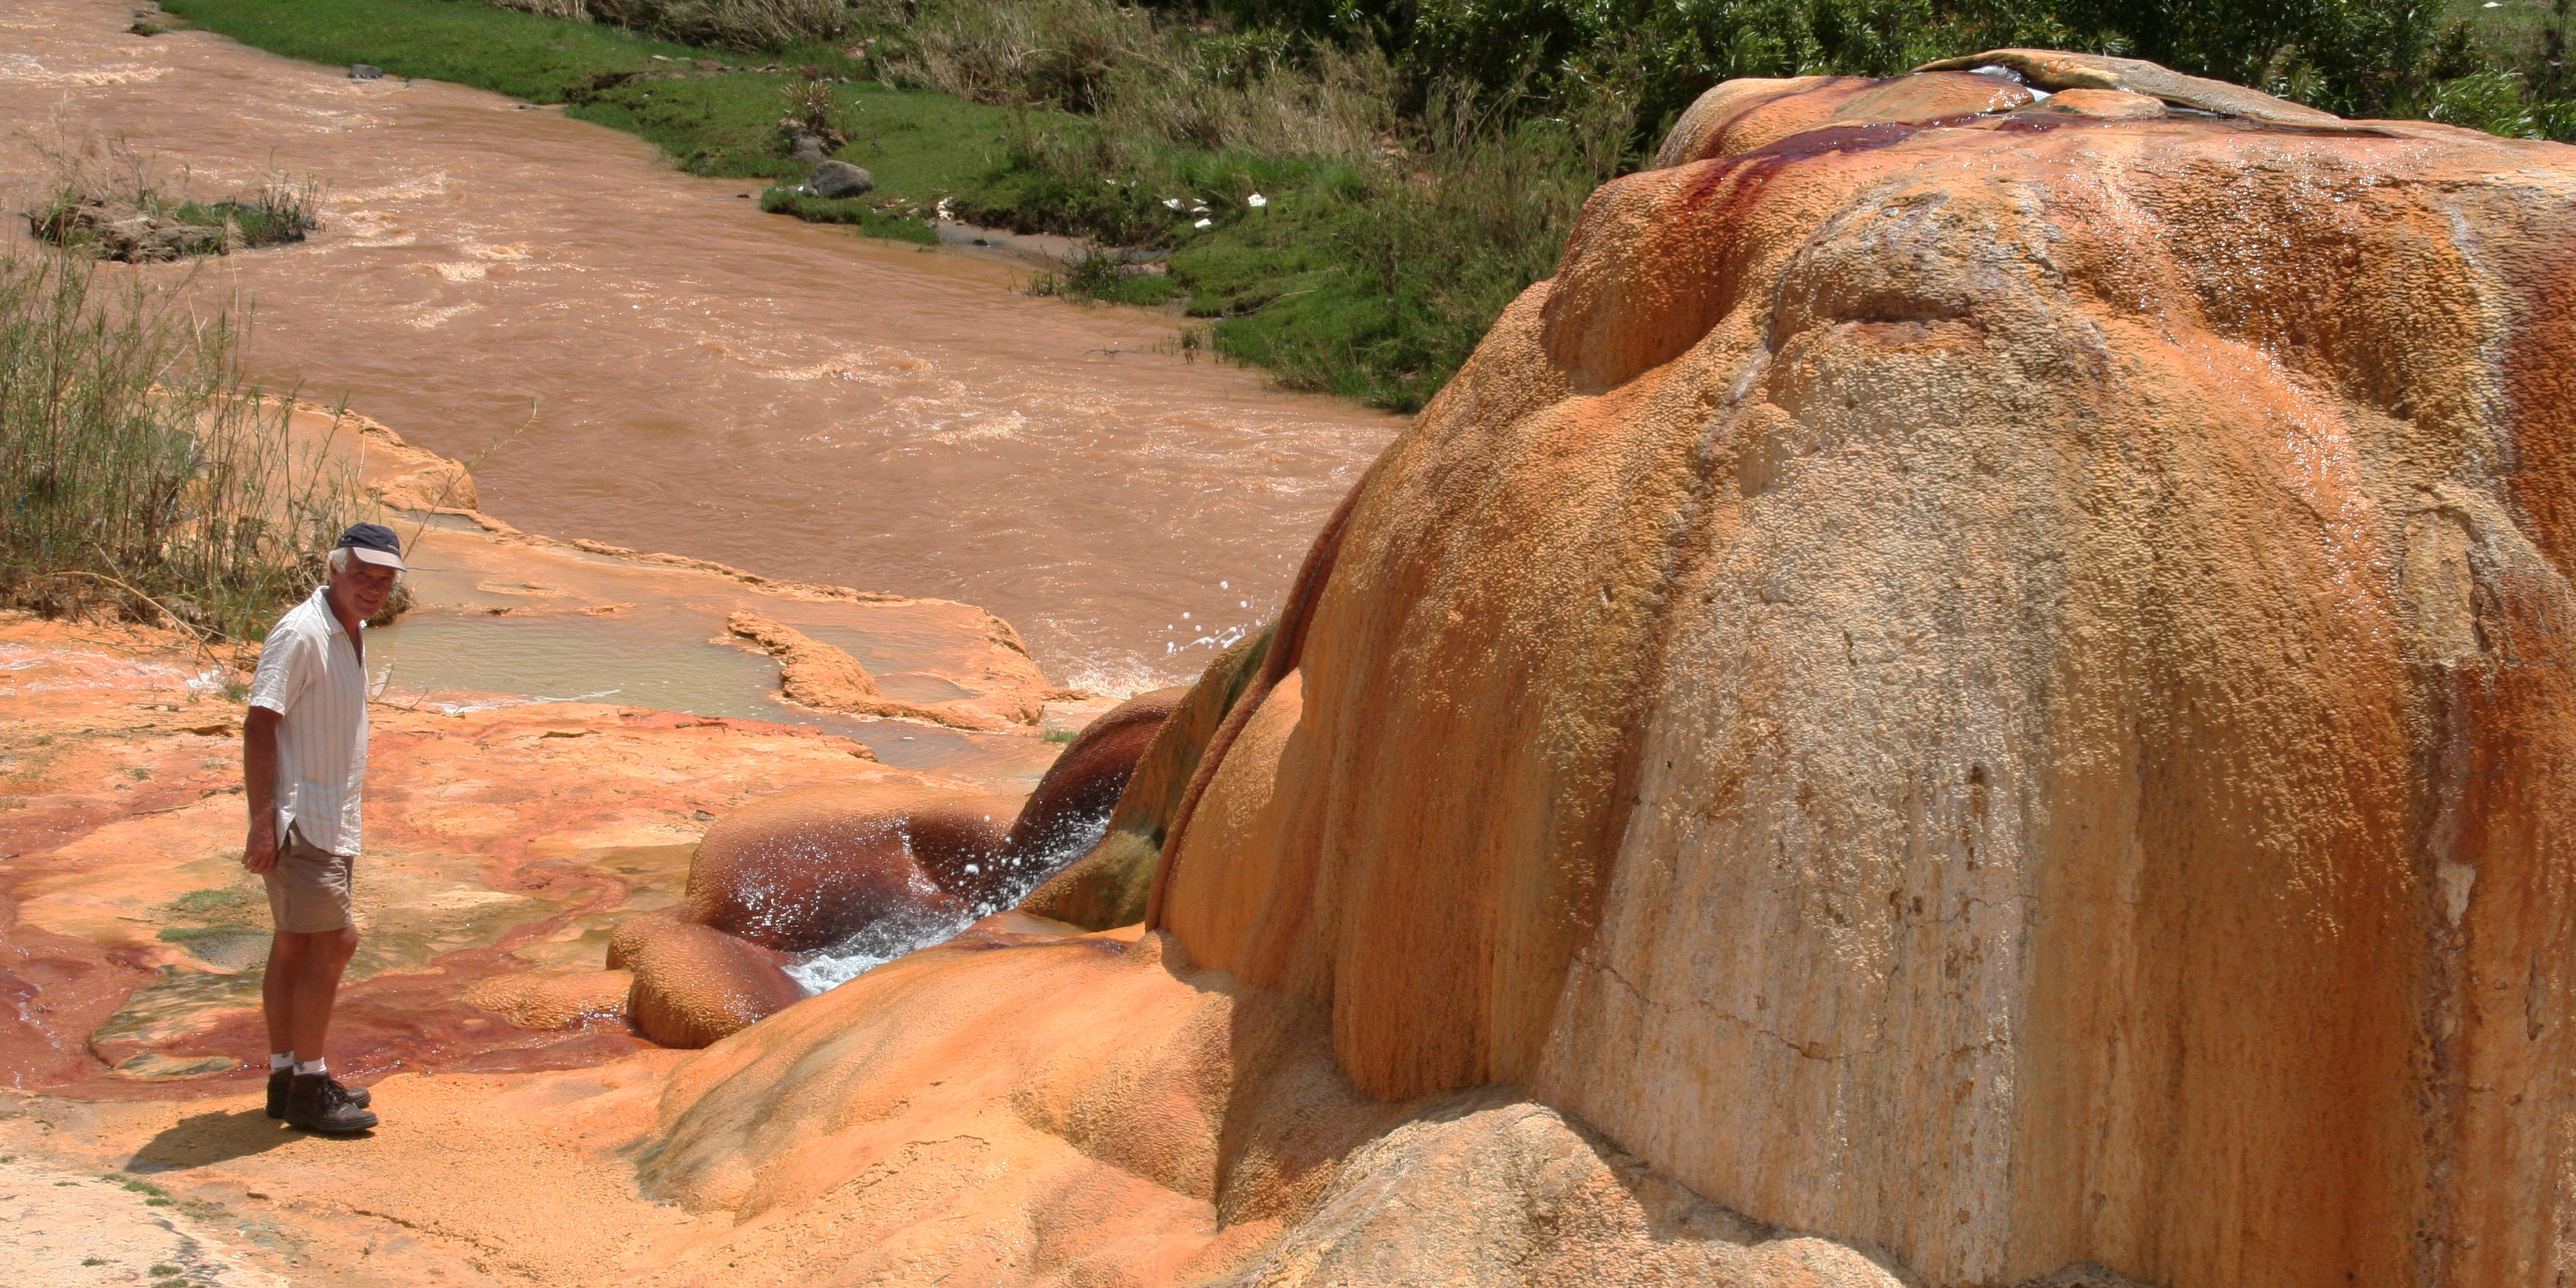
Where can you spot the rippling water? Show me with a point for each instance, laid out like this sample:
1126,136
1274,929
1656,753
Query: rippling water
640,357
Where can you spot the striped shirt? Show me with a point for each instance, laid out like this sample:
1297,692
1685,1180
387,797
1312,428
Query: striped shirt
309,673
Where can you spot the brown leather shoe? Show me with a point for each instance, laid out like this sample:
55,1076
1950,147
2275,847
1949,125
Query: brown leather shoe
278,1078
315,1103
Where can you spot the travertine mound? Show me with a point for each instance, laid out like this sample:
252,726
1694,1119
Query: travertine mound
1979,677
1994,687
1043,1109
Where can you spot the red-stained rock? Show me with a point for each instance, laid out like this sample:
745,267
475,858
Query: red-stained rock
501,843
695,985
804,871
1062,817
813,869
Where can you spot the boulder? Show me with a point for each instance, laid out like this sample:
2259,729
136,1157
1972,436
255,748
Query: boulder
695,985
1988,686
837,179
808,869
1489,1188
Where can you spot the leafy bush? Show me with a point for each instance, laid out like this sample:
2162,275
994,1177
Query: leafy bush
2488,100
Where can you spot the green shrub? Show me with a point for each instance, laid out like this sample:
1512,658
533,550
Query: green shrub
2487,100
139,475
1417,263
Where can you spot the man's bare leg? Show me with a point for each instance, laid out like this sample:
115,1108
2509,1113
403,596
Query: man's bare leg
287,954
313,987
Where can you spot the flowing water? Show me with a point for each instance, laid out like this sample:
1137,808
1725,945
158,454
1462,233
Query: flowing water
636,356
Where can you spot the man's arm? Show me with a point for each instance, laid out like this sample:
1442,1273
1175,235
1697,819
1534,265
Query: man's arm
259,784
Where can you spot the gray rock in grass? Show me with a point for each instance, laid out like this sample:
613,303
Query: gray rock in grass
836,179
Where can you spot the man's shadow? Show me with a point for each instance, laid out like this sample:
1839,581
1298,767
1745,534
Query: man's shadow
212,1137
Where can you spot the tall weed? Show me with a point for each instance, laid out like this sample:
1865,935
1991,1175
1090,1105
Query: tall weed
139,475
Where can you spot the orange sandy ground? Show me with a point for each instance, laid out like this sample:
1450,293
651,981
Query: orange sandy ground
503,845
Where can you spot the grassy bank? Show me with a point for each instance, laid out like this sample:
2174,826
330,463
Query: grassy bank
1282,195
716,112
139,476
1346,197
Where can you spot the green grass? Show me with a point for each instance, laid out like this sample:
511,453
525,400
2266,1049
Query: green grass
1102,276
920,146
198,903
87,212
871,216
259,224
542,60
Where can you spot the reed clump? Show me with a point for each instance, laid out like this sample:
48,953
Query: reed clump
105,204
141,478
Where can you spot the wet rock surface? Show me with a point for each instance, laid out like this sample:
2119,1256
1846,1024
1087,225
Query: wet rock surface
505,842
870,871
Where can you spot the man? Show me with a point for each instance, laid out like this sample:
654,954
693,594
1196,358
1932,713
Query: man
304,758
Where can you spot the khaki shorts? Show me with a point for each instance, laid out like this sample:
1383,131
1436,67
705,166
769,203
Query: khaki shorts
308,890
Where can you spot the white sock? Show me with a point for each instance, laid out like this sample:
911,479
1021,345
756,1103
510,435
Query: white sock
280,1059
303,1067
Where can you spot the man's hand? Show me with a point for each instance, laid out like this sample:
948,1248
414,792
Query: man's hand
259,852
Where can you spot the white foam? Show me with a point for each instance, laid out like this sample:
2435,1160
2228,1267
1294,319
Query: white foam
902,933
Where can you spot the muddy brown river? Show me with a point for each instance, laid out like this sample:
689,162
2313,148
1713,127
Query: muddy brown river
636,356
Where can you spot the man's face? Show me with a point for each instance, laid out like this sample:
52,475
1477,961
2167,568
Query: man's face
360,589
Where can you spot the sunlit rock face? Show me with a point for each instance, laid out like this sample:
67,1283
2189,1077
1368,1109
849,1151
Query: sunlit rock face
1985,675
1971,695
